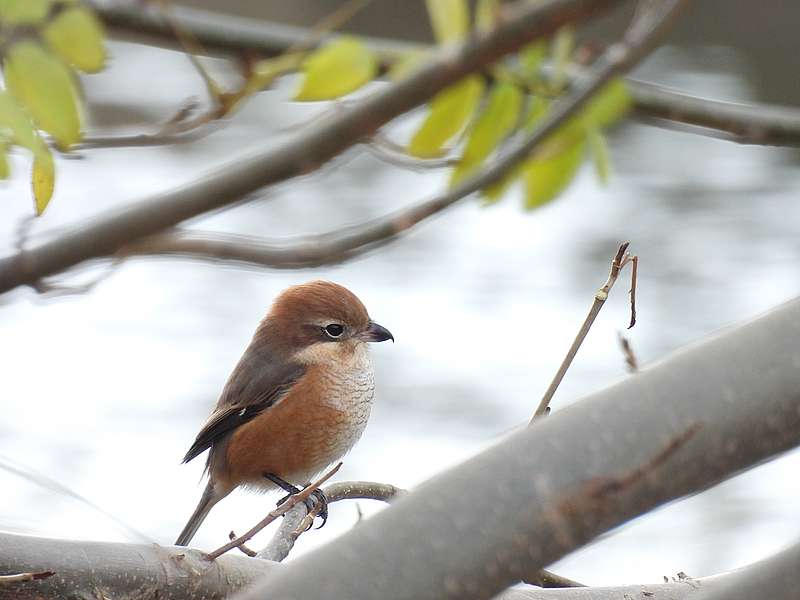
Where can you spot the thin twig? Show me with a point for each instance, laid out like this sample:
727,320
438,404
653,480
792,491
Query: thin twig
621,258
280,510
20,577
393,154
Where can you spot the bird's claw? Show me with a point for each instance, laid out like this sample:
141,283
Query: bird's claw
322,512
319,498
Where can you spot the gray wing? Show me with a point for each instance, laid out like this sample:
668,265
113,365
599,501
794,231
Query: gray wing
256,384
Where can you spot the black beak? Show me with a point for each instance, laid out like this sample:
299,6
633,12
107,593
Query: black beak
376,333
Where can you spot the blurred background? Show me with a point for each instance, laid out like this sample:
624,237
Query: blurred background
104,391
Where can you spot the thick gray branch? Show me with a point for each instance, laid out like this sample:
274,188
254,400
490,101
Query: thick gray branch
553,487
93,570
774,578
307,151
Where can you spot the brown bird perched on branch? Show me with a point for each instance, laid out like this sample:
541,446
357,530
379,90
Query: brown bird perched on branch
297,401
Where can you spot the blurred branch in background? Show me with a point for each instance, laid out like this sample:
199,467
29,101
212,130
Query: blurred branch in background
30,265
220,33
310,148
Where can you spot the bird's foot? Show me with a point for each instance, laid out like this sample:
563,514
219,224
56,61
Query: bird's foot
322,512
317,497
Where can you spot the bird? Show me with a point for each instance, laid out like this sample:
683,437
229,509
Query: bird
296,402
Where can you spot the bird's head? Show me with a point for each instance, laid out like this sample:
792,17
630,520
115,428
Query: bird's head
321,322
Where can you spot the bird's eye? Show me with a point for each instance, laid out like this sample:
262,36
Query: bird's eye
334,330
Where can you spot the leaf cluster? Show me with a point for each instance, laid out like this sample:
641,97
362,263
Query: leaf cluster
44,43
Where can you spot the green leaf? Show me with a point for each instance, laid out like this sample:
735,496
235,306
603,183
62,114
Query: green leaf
545,178
18,12
449,19
5,170
497,119
450,110
486,14
608,105
44,85
494,192
563,45
336,69
600,155
17,125
43,181
76,35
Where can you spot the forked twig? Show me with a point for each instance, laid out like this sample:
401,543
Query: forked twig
242,548
274,514
621,259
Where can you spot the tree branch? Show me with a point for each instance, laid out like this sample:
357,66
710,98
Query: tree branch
292,526
740,123
617,263
761,124
284,506
149,572
307,151
774,578
482,525
338,246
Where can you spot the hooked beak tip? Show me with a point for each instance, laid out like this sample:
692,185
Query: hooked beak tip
377,333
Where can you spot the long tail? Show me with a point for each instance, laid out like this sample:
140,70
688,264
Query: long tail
207,502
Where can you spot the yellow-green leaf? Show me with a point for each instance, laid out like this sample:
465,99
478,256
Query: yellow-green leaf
600,155
337,69
607,106
17,12
43,180
5,170
494,192
563,45
546,178
45,86
18,125
449,19
76,35
486,14
450,110
497,119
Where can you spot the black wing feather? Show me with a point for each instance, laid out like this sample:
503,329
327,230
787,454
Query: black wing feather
255,385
